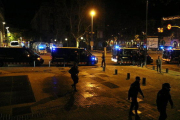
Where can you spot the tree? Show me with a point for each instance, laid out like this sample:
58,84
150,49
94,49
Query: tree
77,14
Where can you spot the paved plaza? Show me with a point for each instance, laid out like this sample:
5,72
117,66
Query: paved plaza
45,93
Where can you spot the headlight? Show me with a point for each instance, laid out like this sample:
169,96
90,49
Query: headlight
38,58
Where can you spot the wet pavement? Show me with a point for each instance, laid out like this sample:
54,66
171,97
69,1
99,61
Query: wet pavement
45,93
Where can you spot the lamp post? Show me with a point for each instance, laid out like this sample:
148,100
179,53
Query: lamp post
92,42
66,41
8,33
145,62
3,33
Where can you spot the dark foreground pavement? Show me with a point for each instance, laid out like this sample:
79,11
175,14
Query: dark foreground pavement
45,93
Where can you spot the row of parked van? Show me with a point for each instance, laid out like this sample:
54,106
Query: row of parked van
59,55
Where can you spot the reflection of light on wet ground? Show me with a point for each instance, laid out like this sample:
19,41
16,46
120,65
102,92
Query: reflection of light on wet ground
139,100
90,85
139,112
87,95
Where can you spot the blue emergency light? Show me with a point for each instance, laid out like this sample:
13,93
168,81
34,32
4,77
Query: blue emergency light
41,47
117,47
53,48
161,47
169,48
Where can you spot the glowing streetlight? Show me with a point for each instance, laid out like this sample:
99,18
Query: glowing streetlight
92,42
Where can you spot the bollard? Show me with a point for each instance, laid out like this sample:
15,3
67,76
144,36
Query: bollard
34,64
116,71
103,68
128,76
49,63
144,81
153,67
167,70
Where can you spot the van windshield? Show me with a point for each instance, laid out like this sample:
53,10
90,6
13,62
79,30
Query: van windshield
31,52
88,52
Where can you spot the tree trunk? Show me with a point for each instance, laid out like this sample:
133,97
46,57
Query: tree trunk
77,43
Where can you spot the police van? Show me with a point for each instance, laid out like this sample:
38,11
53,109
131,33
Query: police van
171,55
124,56
19,55
67,55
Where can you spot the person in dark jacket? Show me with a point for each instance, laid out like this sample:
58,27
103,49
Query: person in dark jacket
133,93
103,64
74,75
163,97
159,64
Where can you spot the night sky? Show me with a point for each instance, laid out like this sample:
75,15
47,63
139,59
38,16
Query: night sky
19,13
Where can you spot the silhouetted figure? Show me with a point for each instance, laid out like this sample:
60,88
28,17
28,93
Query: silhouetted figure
158,63
163,97
133,93
141,60
74,75
103,64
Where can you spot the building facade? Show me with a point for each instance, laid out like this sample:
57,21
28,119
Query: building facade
171,31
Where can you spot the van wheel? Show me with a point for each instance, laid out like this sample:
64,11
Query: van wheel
1,64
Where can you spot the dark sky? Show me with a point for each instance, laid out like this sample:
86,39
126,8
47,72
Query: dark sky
20,12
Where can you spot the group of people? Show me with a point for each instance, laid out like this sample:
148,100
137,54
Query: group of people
163,97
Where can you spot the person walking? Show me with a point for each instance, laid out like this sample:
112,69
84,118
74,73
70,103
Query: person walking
103,64
158,64
163,97
74,75
133,93
141,60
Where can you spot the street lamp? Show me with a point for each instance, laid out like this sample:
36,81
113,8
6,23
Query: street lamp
145,62
66,41
92,42
8,34
3,33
